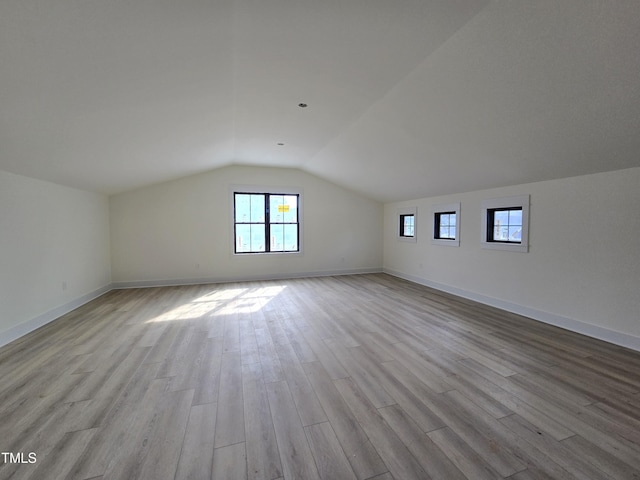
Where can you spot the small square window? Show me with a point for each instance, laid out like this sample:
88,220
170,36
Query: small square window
505,223
446,225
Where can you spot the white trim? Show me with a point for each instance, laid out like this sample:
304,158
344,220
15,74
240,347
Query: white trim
521,201
407,211
449,207
22,329
272,190
594,331
249,278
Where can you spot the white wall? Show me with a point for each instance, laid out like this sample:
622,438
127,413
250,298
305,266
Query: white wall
582,270
54,252
181,231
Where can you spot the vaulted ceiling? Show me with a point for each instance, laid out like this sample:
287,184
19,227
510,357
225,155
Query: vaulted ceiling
405,98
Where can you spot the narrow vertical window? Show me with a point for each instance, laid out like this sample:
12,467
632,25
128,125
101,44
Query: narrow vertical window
407,225
283,223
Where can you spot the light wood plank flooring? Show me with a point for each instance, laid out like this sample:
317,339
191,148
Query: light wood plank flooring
354,377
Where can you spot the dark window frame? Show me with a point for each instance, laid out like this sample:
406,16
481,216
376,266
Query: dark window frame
491,225
436,226
267,223
511,202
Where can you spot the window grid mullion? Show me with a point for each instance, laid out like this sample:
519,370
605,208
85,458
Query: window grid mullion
267,222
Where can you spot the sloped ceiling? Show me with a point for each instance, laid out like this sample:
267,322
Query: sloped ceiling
406,98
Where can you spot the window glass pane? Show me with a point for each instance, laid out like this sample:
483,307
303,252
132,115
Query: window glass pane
407,225
444,232
257,238
444,220
290,208
515,217
276,208
409,228
257,208
277,237
452,219
515,233
243,238
507,225
500,217
291,237
243,208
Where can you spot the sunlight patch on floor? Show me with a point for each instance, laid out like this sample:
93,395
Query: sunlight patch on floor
222,302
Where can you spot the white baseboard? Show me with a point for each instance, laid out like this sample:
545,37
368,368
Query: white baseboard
600,333
22,329
594,331
250,278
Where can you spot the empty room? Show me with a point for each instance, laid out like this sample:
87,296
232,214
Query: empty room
354,239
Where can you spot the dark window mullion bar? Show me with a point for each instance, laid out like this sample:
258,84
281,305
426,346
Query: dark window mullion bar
267,222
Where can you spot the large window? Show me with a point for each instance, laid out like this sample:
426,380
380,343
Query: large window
446,225
505,223
266,222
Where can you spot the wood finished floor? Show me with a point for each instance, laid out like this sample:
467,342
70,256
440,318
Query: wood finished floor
354,377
